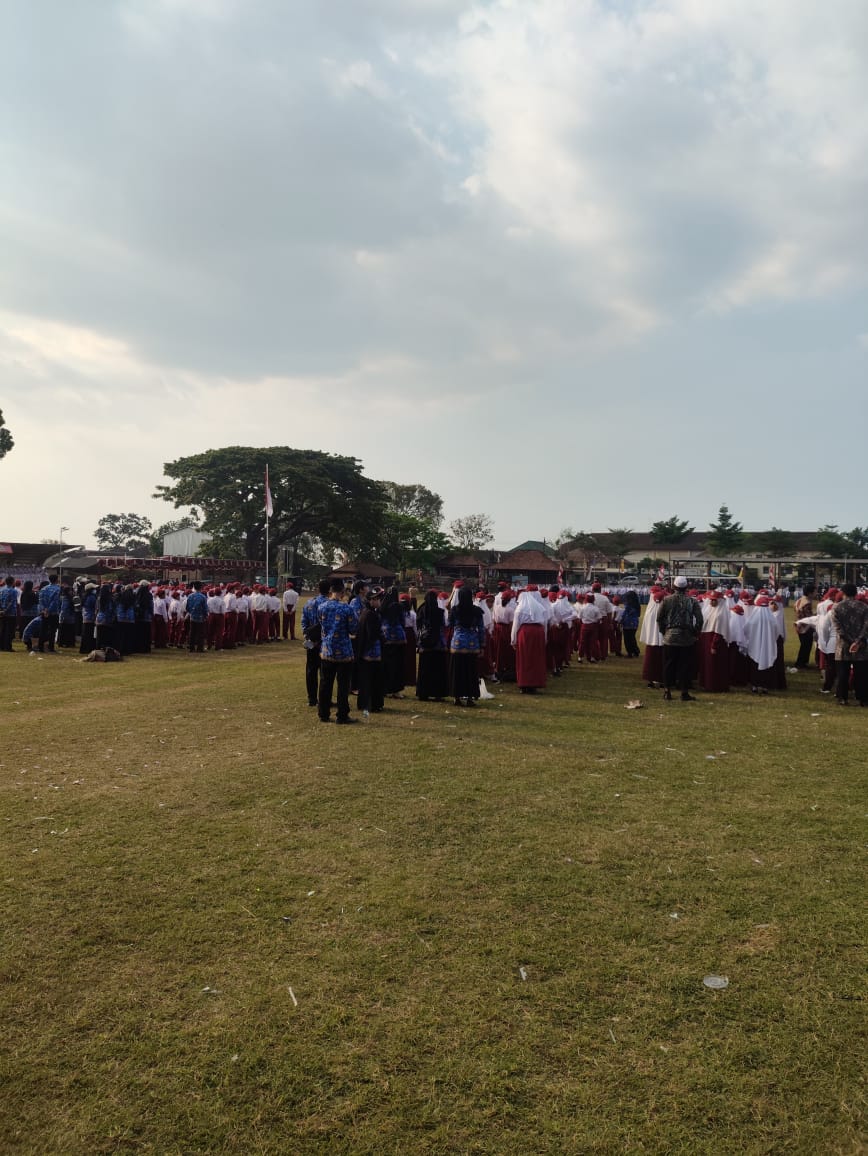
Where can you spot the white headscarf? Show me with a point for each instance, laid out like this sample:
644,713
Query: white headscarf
762,637
529,611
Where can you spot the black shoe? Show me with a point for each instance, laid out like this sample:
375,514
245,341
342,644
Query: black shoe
667,695
688,698
842,702
325,720
345,722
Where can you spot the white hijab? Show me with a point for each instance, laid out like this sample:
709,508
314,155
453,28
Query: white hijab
529,611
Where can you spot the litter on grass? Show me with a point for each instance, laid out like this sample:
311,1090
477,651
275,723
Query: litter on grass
716,982
292,997
522,974
633,704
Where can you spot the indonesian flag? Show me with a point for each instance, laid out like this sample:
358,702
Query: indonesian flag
771,577
561,574
661,573
269,505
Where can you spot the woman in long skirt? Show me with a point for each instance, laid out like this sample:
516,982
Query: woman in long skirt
432,679
468,642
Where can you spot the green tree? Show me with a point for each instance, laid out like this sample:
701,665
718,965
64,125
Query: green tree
620,542
670,532
408,543
587,547
650,564
564,543
323,496
830,543
128,533
6,441
774,543
472,531
413,501
156,539
726,538
857,540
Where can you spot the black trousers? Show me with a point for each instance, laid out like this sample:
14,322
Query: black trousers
8,624
48,631
860,679
806,641
370,683
328,673
678,664
630,642
197,637
311,675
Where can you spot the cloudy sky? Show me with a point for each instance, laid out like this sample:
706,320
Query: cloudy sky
567,262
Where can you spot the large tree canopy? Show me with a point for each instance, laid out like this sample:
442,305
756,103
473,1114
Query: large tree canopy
413,501
127,532
320,495
472,532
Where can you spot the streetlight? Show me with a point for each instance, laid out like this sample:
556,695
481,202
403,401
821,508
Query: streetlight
60,566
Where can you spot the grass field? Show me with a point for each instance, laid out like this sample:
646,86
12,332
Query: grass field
229,929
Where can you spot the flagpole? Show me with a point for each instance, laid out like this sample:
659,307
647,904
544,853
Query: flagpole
267,515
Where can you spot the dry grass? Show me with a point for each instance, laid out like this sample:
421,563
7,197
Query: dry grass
359,903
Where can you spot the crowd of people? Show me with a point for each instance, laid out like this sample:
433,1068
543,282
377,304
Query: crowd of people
376,643
133,618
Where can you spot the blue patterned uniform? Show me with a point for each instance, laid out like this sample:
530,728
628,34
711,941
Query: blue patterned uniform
49,599
197,606
9,601
338,622
88,607
468,639
393,632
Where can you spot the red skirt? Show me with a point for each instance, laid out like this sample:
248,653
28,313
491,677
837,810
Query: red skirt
530,655
713,667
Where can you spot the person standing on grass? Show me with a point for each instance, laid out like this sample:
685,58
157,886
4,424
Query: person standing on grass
466,645
432,680
630,623
805,609
337,622
290,601
196,612
679,621
8,613
529,639
369,655
312,634
394,641
850,616
49,610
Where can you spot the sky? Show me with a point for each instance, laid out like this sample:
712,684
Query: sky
585,263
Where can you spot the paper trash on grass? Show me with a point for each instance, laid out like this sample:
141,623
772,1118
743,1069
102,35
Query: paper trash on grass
522,974
716,982
633,704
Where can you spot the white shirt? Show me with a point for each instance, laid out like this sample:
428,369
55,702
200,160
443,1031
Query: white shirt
290,598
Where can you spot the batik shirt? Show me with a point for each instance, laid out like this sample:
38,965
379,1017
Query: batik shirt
88,607
851,623
338,622
468,639
393,632
9,601
49,600
310,617
197,606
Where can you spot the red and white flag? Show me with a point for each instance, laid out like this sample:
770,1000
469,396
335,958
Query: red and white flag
771,577
269,505
561,574
661,573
